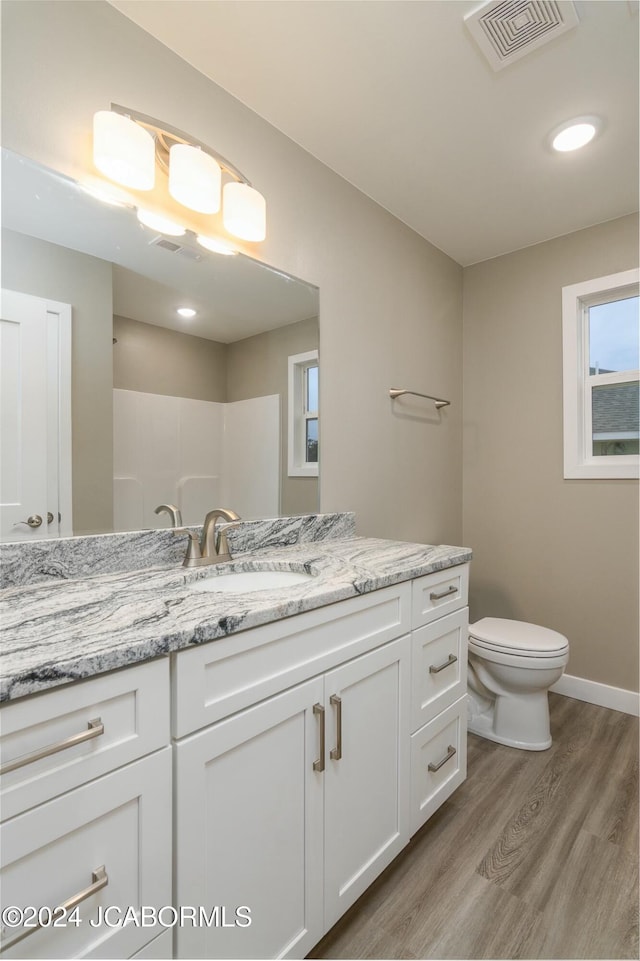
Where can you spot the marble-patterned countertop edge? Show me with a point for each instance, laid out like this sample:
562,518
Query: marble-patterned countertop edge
57,633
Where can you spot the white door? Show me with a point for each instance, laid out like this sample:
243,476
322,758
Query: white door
249,831
366,793
35,417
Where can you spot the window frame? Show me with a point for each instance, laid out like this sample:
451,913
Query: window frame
299,414
579,460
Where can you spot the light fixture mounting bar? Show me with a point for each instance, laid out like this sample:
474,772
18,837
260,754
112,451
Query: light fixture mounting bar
165,136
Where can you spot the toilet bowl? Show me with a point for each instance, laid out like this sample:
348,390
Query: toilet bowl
512,665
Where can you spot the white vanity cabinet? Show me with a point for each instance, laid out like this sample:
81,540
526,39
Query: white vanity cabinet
293,806
297,759
86,813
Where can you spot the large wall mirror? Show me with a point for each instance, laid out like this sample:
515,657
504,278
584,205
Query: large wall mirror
163,408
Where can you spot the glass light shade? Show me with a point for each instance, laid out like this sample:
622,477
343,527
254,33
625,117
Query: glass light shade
162,224
123,150
244,211
215,245
574,137
194,178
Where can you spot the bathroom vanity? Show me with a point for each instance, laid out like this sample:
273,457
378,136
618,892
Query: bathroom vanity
254,764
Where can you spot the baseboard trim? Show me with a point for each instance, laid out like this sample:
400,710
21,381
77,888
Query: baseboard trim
616,698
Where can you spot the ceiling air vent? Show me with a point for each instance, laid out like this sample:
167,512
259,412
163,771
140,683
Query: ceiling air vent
169,245
188,252
506,30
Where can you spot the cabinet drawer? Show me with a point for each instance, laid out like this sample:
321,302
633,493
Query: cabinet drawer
217,679
118,828
132,707
438,761
439,593
438,666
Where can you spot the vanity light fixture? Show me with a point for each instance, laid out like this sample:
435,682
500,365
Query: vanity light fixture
195,178
216,246
162,224
123,150
574,134
186,312
128,145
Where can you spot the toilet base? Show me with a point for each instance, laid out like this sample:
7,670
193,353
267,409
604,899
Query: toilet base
482,725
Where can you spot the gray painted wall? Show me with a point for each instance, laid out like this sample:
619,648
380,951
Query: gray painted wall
563,553
157,360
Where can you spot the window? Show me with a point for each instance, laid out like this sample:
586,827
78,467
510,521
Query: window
601,376
303,414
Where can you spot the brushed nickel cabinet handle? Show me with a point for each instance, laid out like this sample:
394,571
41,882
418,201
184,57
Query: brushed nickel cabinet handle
451,751
336,753
95,729
450,660
99,880
319,764
438,597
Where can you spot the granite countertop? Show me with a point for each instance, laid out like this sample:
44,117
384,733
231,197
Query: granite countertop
56,633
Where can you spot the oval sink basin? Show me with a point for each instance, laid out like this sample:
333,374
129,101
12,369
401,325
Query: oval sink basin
246,582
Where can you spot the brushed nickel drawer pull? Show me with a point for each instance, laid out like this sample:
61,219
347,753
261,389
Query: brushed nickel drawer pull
319,764
99,880
436,670
451,751
438,597
336,752
94,729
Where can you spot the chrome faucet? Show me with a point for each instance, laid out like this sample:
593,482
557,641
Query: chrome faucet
213,547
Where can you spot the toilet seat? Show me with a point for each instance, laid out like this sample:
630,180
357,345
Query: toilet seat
502,636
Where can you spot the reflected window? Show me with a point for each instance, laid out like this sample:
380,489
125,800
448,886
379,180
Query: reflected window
303,414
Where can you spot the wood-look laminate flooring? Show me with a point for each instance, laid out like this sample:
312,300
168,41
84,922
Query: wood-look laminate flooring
534,856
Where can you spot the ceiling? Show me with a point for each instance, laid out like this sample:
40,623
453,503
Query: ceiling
397,98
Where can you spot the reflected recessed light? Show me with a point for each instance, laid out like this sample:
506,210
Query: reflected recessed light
574,134
162,224
186,312
215,245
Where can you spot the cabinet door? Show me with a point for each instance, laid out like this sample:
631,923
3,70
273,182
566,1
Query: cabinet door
109,841
249,831
367,775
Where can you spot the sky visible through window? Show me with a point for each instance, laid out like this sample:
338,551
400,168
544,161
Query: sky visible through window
613,336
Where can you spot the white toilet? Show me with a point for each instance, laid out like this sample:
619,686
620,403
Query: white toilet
512,665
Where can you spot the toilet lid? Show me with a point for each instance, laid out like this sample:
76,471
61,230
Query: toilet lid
517,637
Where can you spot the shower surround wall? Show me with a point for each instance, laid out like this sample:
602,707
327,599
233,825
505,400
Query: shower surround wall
194,454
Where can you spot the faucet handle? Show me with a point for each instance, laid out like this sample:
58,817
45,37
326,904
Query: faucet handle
194,553
222,545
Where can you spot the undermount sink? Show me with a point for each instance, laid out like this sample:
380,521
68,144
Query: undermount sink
246,582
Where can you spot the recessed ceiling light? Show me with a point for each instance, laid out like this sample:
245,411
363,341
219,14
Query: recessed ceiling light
186,312
574,134
162,224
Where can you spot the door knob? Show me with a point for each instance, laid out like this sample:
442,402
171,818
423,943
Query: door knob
34,520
